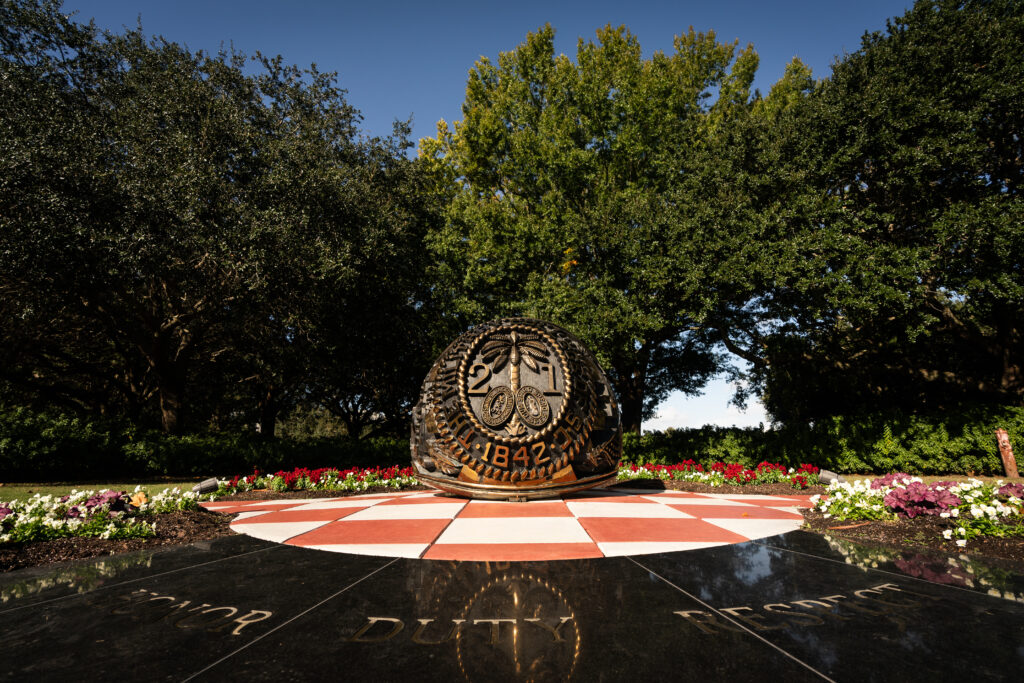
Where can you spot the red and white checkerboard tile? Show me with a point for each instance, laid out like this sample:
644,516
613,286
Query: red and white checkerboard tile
597,523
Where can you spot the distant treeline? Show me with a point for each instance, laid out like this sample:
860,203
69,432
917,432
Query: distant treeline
53,446
202,245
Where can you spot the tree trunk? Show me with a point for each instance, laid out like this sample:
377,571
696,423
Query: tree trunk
630,389
1011,380
172,405
630,381
269,409
632,414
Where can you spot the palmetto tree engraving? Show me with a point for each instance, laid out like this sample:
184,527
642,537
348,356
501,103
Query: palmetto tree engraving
512,349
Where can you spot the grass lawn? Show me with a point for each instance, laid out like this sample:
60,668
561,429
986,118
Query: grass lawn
9,492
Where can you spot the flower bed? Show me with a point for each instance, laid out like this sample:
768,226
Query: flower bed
322,479
720,473
972,508
100,514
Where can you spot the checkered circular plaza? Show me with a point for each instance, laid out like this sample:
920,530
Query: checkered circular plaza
586,524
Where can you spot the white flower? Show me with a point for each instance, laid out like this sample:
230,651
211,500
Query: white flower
961,542
947,534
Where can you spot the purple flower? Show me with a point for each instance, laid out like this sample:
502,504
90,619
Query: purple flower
1015,490
4,511
115,500
918,499
890,480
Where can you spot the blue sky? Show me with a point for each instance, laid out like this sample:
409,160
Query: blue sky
402,59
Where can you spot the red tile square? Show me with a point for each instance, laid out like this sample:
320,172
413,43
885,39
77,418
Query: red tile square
625,529
323,515
374,531
245,507
512,552
797,501
481,508
602,497
734,512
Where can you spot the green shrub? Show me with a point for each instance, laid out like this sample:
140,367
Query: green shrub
224,454
50,443
704,445
59,447
955,442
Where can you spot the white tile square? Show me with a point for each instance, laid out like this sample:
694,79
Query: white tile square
278,532
649,548
757,528
247,515
586,508
514,530
679,500
751,496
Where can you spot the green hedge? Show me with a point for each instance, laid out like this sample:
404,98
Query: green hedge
58,447
955,442
51,446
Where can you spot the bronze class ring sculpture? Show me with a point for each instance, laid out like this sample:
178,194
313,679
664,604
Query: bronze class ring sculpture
516,409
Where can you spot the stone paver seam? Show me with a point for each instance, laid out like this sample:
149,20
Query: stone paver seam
440,533
142,578
734,622
876,569
281,626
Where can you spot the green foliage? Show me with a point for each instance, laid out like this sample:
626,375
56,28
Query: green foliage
45,442
592,194
61,447
190,243
704,445
902,284
221,454
195,245
958,442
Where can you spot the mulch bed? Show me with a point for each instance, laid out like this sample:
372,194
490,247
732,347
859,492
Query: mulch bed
173,528
920,533
923,534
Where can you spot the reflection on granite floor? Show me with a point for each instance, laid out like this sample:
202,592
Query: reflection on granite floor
795,607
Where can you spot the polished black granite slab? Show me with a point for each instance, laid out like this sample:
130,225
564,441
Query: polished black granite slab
794,607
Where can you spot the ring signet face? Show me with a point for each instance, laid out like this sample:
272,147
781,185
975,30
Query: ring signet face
515,381
515,403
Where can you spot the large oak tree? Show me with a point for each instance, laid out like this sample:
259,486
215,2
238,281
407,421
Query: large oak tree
900,284
589,192
181,238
